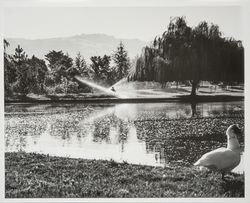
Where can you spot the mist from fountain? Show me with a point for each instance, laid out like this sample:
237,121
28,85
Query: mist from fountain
123,80
99,87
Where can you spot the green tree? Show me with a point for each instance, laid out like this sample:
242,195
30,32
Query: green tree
121,60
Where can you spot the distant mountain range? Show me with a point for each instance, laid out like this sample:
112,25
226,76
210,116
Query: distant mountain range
88,44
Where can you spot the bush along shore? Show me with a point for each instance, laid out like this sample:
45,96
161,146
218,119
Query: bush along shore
31,175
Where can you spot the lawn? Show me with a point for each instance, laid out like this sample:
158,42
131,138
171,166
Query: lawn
30,175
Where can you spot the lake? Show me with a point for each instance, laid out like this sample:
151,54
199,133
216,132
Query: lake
157,134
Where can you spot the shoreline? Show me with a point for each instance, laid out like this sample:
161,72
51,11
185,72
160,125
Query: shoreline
31,175
81,99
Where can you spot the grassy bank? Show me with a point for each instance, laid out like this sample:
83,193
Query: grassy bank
138,92
55,97
102,98
32,175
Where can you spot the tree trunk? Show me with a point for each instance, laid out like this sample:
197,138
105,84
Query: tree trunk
42,88
194,86
193,108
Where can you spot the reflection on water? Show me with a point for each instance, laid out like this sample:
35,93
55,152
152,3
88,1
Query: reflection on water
153,134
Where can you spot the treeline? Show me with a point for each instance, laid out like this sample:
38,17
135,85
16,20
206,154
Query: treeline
190,55
24,75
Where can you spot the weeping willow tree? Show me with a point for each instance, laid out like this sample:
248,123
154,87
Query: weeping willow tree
190,54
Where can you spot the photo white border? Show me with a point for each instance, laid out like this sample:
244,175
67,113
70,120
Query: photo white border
245,4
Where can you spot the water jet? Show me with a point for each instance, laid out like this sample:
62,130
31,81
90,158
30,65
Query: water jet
99,87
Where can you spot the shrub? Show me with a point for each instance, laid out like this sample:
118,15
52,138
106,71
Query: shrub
59,89
72,87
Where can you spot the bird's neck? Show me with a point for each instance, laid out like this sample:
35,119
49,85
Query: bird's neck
233,144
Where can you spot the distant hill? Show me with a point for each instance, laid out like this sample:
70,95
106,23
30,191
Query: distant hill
88,44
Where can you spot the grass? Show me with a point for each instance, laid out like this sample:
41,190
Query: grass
30,175
181,93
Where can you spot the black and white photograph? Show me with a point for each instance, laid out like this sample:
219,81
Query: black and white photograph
127,101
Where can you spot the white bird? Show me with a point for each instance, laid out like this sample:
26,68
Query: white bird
223,159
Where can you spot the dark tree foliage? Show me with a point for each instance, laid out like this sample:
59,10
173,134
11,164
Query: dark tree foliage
101,68
79,67
121,60
5,45
39,71
18,59
59,64
56,58
8,70
30,74
190,54
22,74
25,79
20,56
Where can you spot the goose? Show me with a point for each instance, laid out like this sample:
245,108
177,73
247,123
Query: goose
223,159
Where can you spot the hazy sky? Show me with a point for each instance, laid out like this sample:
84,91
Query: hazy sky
123,22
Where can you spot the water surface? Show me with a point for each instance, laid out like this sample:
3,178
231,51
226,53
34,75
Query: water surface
157,134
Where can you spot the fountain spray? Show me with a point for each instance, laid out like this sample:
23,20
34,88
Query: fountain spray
96,86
